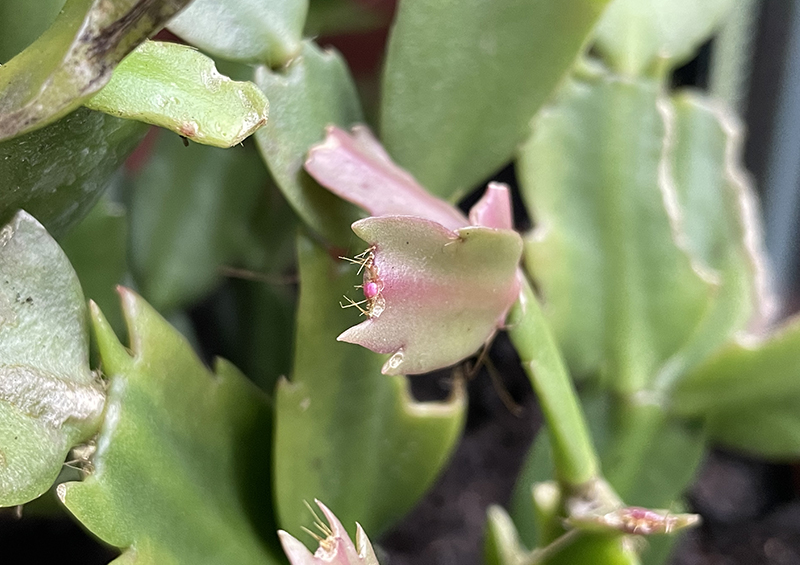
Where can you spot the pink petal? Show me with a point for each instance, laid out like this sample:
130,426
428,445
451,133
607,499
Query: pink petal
493,210
355,167
445,292
297,553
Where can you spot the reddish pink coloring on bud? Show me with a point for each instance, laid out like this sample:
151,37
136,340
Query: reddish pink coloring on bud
371,290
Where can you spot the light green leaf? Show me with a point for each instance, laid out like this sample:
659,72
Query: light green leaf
181,471
251,31
719,217
22,21
621,294
311,92
463,78
345,433
97,249
179,88
767,430
752,370
58,172
49,398
635,35
190,211
73,59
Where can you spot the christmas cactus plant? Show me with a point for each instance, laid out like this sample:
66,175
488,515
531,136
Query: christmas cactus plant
638,304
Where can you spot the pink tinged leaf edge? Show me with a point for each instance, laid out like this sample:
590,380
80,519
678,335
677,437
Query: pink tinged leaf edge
493,210
354,166
425,308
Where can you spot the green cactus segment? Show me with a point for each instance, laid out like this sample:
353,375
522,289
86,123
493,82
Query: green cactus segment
58,173
97,249
749,393
573,452
620,292
190,210
249,31
49,398
345,433
182,471
637,36
73,59
178,88
463,78
314,90
719,216
22,22
503,547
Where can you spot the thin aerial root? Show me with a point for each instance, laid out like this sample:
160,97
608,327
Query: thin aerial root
502,392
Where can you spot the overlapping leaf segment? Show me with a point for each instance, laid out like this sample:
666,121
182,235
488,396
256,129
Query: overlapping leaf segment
436,284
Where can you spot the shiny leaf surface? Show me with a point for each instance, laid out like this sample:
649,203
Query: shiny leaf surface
178,88
74,59
58,173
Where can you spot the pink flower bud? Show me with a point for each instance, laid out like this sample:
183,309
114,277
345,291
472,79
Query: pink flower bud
635,520
435,287
335,548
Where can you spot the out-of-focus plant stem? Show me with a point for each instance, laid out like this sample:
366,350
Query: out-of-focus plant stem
574,454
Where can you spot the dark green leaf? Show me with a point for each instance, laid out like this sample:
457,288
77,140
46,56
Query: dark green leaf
252,31
326,17
181,471
97,249
179,88
49,398
463,78
345,433
637,34
22,21
190,211
58,172
620,292
311,92
74,58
